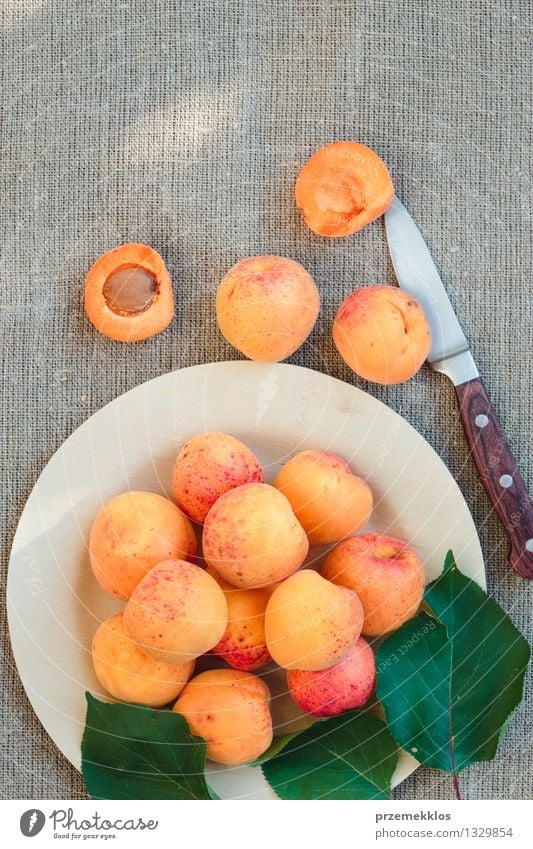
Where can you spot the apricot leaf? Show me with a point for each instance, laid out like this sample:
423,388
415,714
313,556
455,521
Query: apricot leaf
134,752
448,685
351,756
275,748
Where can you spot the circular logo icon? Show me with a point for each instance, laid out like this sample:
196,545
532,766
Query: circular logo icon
32,822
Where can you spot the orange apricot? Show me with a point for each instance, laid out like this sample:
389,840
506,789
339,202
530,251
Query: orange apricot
252,538
177,612
230,709
382,333
309,624
385,573
345,686
343,187
209,465
131,675
132,533
128,293
243,644
329,501
267,306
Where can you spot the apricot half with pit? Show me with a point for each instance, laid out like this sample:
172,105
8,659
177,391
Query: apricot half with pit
128,293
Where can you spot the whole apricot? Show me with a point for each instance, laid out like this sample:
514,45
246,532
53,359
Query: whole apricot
133,532
131,675
308,626
382,333
177,612
209,465
385,573
267,306
329,501
252,538
230,709
243,645
345,686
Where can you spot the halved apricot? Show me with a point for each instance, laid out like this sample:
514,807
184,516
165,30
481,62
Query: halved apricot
128,293
343,187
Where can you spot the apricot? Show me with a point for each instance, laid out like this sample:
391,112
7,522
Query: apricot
131,675
252,538
131,534
128,293
209,465
243,645
266,307
329,501
230,710
385,573
307,626
345,686
343,187
381,332
177,612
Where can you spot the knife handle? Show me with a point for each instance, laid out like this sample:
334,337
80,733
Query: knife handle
498,472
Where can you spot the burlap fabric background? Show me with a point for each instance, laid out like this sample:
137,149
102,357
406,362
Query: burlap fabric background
183,125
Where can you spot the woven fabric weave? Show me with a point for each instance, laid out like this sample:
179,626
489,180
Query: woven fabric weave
183,125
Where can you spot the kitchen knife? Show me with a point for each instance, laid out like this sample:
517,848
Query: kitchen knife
449,354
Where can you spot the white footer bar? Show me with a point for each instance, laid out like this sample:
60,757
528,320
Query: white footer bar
267,825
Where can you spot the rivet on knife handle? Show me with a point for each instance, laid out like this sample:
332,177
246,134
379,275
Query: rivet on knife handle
498,471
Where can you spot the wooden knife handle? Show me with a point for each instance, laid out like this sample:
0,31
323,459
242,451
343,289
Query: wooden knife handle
498,471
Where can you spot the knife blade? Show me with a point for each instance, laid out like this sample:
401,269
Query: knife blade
417,274
449,353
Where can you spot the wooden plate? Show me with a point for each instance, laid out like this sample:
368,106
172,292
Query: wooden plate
54,603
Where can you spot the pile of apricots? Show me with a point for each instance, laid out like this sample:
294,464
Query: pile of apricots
223,570
267,306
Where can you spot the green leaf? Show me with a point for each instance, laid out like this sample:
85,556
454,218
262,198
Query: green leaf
490,658
277,745
413,685
351,756
448,687
134,752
